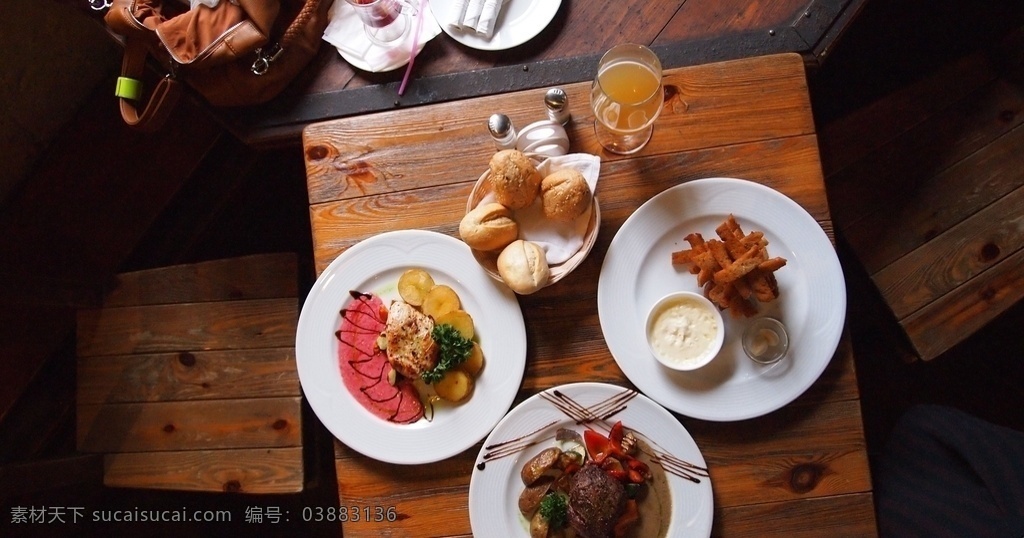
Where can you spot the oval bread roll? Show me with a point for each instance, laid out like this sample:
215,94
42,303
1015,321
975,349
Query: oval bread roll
488,226
523,267
514,179
565,195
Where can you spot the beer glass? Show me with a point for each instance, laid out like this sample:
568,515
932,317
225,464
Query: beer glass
626,98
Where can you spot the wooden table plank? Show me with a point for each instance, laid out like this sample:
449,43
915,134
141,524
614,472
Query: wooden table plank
260,470
749,119
968,308
815,518
706,106
260,276
188,375
190,425
259,323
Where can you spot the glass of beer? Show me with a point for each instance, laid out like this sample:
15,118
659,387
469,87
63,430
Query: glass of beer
626,97
386,22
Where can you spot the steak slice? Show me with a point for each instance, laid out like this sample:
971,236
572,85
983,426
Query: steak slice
596,500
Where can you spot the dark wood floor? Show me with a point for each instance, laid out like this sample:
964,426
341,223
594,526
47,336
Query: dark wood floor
245,201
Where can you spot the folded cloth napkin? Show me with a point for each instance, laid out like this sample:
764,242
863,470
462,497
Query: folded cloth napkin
560,240
345,31
476,15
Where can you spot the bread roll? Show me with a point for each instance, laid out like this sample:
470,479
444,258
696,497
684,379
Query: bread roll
523,267
489,226
565,195
514,179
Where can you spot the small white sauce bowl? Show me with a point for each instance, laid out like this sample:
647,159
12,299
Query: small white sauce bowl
679,321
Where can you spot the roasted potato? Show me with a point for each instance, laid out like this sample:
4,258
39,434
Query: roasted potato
440,300
540,465
529,499
475,362
460,319
454,386
413,286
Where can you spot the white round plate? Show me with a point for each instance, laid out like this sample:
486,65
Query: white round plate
373,266
637,270
495,485
518,22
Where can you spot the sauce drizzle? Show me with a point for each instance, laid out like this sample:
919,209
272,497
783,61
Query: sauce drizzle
366,369
598,413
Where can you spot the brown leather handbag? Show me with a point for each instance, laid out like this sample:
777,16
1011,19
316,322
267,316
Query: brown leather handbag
240,52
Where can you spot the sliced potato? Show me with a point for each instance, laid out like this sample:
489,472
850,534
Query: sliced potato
413,286
440,300
454,386
475,362
460,319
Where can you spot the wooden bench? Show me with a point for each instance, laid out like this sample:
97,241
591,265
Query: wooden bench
187,379
926,187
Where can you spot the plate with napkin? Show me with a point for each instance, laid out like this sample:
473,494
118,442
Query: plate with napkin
345,31
494,24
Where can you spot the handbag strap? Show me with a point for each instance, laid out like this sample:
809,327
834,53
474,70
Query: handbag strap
162,99
309,9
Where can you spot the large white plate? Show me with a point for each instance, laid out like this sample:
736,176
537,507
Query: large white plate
495,485
518,22
374,265
637,270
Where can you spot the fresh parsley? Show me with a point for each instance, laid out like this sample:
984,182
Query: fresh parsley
554,508
454,349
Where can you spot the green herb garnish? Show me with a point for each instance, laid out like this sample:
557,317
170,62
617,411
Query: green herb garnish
555,509
454,349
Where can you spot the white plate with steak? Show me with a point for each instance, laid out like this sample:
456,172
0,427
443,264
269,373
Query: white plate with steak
671,496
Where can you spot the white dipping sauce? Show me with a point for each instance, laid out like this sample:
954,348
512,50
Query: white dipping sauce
682,332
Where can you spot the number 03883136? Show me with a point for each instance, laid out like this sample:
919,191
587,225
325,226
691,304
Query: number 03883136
354,513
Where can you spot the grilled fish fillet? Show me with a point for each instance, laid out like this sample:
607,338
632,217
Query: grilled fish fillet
410,347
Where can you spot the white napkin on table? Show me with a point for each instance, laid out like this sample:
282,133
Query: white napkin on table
560,240
345,31
476,15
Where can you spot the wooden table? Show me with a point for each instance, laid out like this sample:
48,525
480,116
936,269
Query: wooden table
684,32
799,471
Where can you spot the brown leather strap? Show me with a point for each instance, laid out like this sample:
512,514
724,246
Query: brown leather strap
161,100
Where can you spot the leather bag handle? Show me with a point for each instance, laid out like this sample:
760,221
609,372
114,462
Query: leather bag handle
161,101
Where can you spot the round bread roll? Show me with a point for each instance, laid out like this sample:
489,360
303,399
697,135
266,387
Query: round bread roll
514,179
523,267
565,195
489,226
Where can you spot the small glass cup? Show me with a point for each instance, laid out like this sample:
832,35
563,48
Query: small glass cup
626,97
386,22
765,340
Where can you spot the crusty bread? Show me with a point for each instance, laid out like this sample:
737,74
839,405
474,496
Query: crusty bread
489,226
523,267
565,195
514,179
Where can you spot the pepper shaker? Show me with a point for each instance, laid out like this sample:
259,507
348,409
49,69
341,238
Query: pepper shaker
502,131
557,103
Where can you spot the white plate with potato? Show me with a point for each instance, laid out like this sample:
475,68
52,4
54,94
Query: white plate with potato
374,266
811,302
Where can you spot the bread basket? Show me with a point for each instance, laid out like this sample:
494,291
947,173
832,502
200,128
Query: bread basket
489,260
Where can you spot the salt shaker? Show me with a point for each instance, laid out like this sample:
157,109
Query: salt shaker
557,103
502,131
